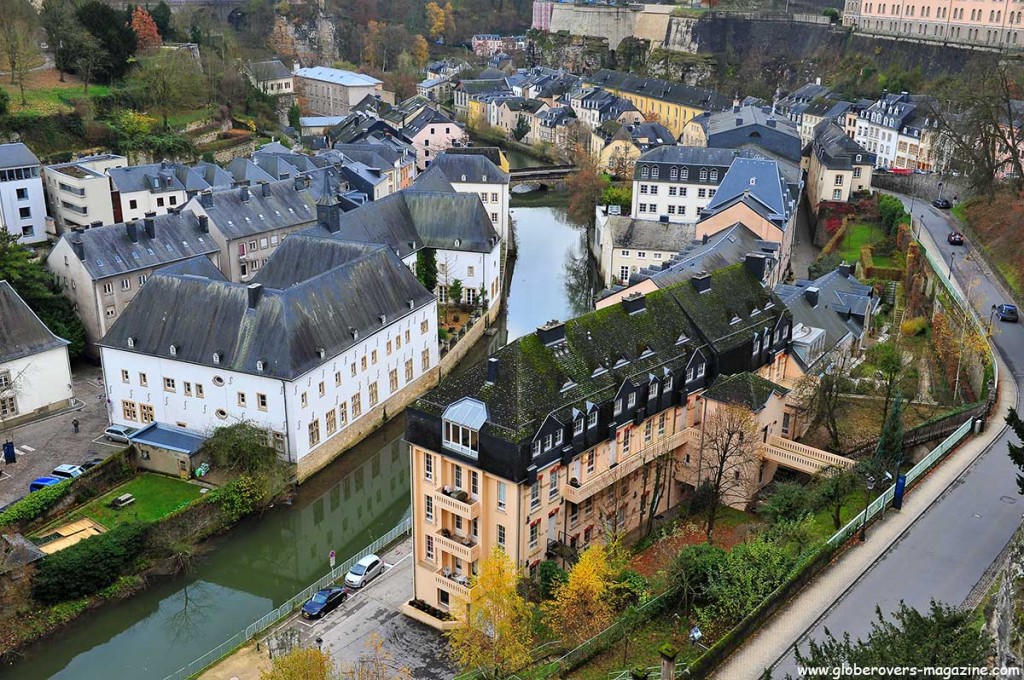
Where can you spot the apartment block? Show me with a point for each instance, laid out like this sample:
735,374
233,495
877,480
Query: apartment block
79,194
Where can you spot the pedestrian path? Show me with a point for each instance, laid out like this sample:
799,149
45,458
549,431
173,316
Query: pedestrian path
774,639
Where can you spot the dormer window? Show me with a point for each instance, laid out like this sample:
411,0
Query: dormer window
655,171
753,181
559,438
535,448
592,419
174,350
714,175
682,339
460,426
216,357
618,406
668,384
858,158
548,442
673,173
631,399
684,173
131,341
652,392
703,175
260,365
645,172
757,345
577,426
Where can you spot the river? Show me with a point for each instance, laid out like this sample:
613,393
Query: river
266,560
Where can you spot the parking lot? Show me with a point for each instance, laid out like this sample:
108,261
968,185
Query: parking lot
44,444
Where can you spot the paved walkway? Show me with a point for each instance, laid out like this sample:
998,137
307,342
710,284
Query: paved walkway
774,640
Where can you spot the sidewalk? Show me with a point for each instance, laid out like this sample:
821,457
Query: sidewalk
774,639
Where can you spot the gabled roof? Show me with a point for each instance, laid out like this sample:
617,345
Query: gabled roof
200,266
639,234
246,172
273,69
474,168
155,177
281,329
745,389
110,251
481,86
214,175
284,208
21,332
337,76
725,248
686,155
835,150
759,182
426,117
431,179
16,155
374,155
16,551
664,90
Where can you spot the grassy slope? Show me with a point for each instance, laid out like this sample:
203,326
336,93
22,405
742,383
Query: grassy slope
996,228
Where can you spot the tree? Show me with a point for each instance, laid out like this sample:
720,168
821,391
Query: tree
820,396
620,195
17,41
455,291
691,572
112,30
5,103
171,81
582,607
295,116
830,488
435,20
942,637
521,129
241,448
823,265
789,502
889,452
585,187
162,18
449,23
1017,450
377,664
420,51
728,450
147,35
63,32
741,581
426,268
304,663
890,368
36,286
90,59
494,631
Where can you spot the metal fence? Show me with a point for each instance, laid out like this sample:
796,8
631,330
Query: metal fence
275,615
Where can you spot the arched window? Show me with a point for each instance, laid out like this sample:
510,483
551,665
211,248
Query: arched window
645,172
673,173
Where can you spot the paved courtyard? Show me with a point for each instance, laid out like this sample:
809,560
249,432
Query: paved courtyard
44,444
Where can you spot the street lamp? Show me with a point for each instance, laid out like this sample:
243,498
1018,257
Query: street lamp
319,643
951,256
864,524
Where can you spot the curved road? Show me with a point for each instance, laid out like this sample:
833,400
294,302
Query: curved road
947,550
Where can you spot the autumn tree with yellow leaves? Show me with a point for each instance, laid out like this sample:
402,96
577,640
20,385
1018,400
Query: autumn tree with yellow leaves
582,606
494,632
303,663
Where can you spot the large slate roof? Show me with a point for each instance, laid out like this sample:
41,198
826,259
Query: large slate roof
155,177
725,248
656,88
16,155
273,69
217,177
284,208
337,76
745,389
759,180
475,168
285,328
835,150
637,234
110,251
431,179
200,266
21,332
246,173
427,117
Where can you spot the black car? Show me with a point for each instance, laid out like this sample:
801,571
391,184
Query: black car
91,462
942,203
1006,312
955,238
324,602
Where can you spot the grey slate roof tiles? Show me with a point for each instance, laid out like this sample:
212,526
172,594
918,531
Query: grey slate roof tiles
21,332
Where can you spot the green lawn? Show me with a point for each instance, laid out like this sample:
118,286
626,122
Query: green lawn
155,496
857,236
821,522
185,117
45,101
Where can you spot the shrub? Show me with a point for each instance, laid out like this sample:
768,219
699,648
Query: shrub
915,326
35,504
630,589
89,565
702,498
238,498
740,581
788,503
550,576
823,265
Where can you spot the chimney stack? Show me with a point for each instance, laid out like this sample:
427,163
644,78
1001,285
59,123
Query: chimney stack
204,224
150,225
78,246
811,293
704,239
551,333
132,229
265,188
255,292
701,282
243,193
846,269
757,264
206,198
492,371
634,303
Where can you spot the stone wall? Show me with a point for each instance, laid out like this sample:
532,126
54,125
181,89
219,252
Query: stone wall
612,23
922,187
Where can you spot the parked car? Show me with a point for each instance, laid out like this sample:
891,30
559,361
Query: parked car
364,571
119,433
955,238
324,602
901,171
1005,312
942,203
67,471
91,462
43,482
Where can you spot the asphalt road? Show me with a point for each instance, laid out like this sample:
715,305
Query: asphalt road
947,550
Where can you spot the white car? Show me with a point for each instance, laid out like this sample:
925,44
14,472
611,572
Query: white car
67,471
364,571
119,433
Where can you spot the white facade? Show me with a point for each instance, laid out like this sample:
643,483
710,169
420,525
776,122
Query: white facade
79,193
304,414
136,204
495,197
22,203
674,201
35,384
436,138
474,270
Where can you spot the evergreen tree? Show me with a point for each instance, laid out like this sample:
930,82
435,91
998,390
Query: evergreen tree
1017,450
426,268
890,445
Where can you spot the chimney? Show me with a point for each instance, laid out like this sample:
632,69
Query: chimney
634,303
243,193
265,188
757,264
299,184
739,121
78,246
97,223
132,229
551,333
846,269
150,225
701,282
255,292
206,198
817,81
204,224
492,371
704,239
771,122
811,293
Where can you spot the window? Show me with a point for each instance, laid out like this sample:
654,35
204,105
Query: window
304,400
314,433
856,172
494,217
373,357
424,326
408,370
533,535
425,360
373,394
641,254
501,535
362,362
837,195
548,442
133,204
343,413
501,496
618,406
261,401
323,390
129,410
337,378
25,213
126,284
160,202
625,444
494,197
393,380
389,348
353,365
553,485
199,390
574,514
168,384
645,171
357,405
8,407
108,289
702,193
460,438
241,399
22,194
643,188
631,399
332,422
703,175
457,476
648,432
143,380
592,419
661,425
577,426
5,380
428,509
535,495
474,483
429,547
428,467
785,423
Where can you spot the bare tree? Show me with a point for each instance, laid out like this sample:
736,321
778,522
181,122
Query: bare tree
17,41
819,395
729,452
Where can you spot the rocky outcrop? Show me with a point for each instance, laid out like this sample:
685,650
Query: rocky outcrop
312,42
1004,611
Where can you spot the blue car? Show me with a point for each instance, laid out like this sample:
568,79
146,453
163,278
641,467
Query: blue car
42,482
1006,312
324,602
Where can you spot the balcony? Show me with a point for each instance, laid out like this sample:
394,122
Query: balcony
469,509
462,547
456,588
632,462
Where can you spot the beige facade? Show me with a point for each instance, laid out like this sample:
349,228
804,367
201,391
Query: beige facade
78,193
989,23
824,184
333,92
764,228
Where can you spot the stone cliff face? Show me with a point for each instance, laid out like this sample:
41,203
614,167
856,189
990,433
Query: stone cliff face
1003,614
311,42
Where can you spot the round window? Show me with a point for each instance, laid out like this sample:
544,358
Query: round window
218,381
222,414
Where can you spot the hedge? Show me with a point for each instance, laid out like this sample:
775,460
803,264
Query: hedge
35,504
867,264
89,565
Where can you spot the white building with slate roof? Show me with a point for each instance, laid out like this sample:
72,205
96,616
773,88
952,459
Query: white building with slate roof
22,204
35,373
318,348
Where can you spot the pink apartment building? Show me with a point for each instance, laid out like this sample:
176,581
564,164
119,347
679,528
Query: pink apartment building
995,23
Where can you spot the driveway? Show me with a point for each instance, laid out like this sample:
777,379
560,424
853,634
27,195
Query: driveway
44,444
